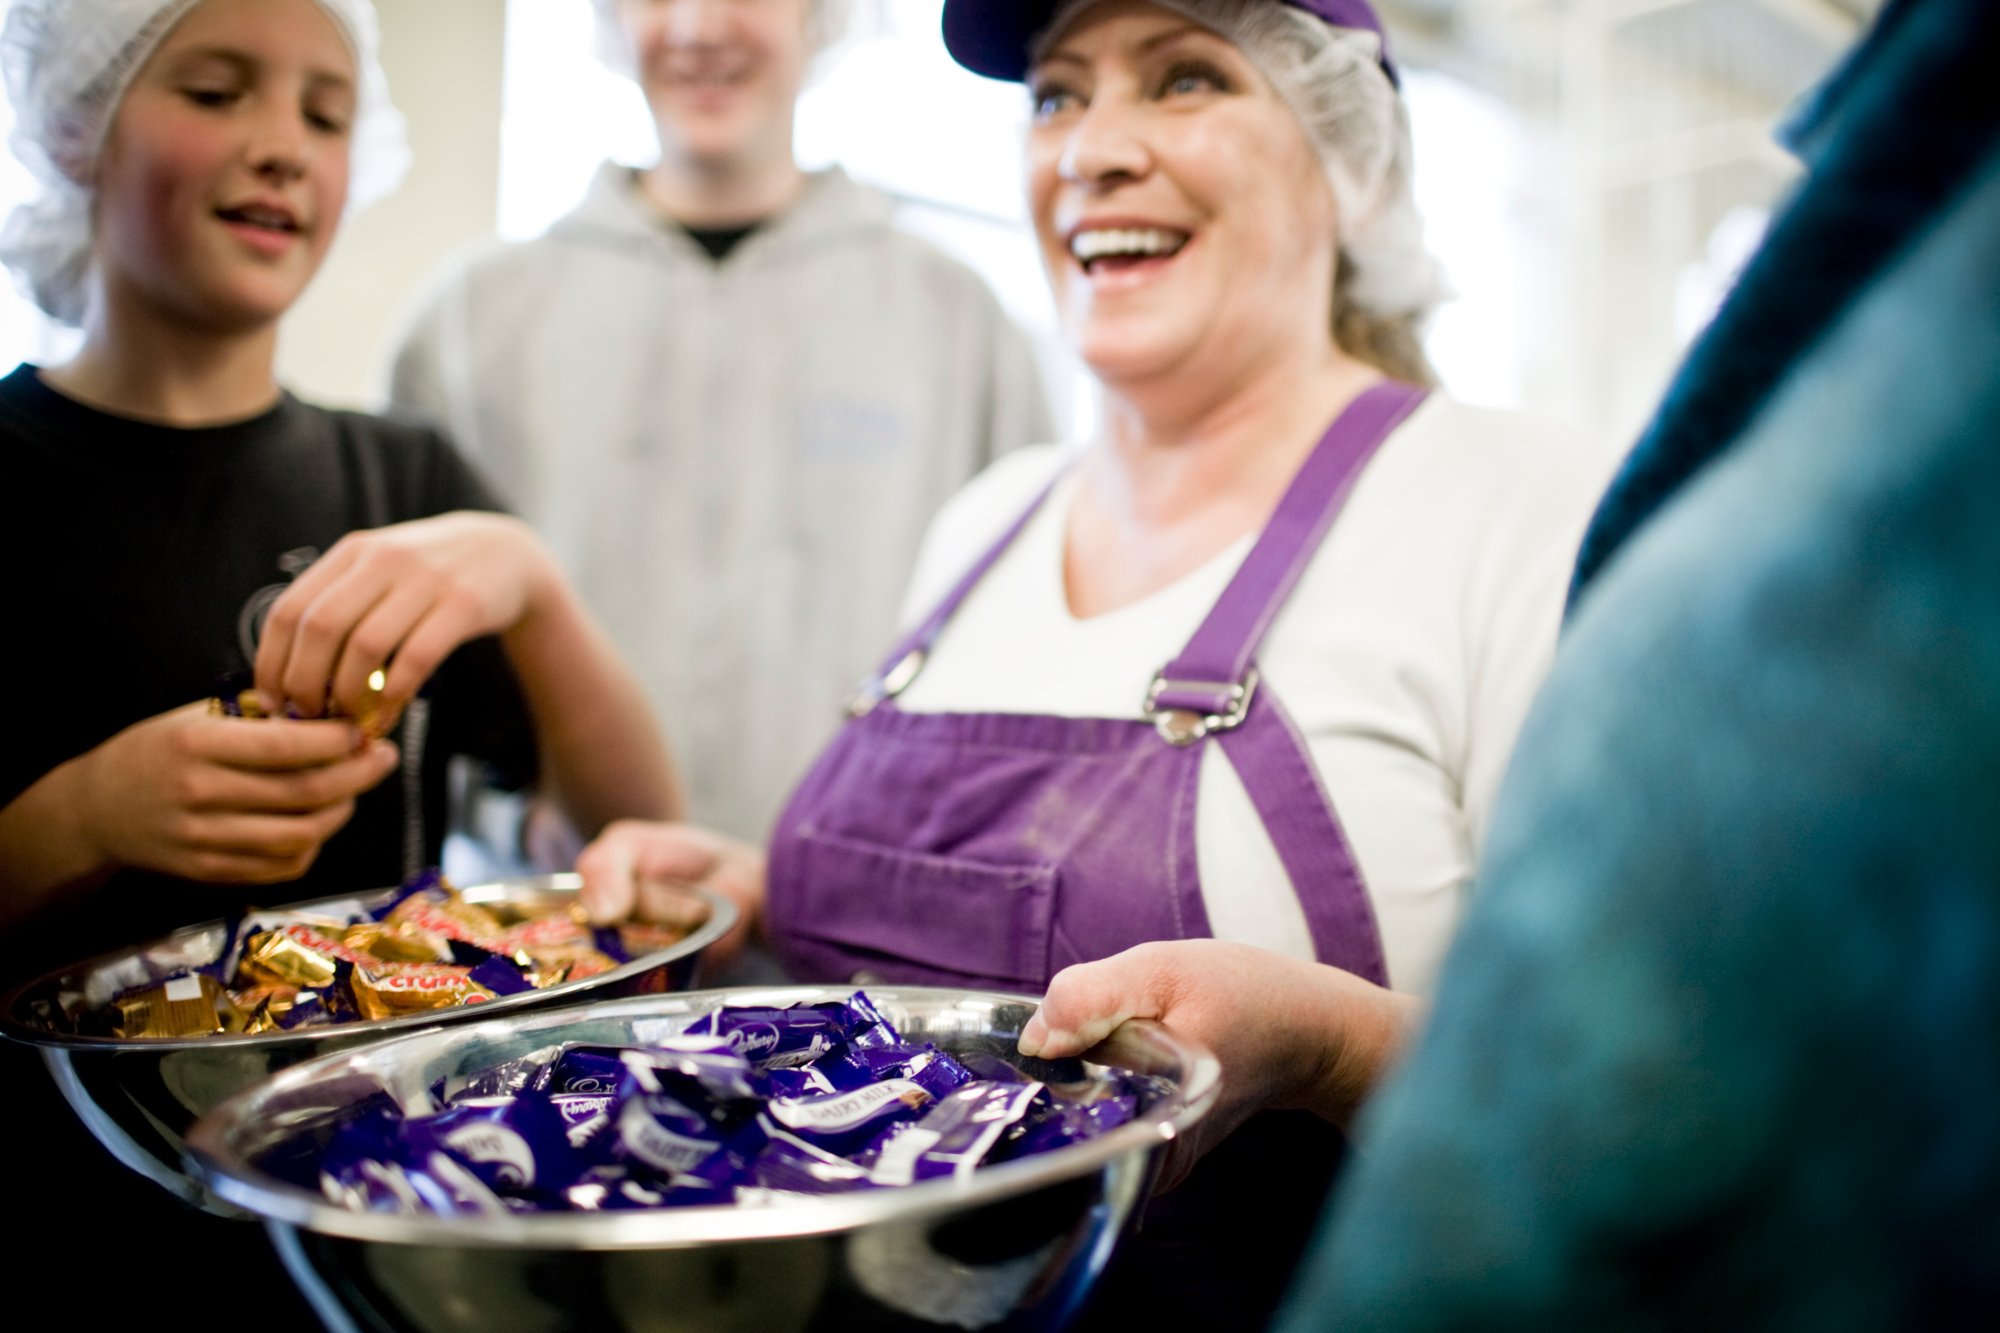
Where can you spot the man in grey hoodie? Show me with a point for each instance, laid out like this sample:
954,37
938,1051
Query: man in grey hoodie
731,394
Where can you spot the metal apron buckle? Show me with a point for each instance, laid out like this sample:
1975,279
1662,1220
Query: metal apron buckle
1184,726
876,689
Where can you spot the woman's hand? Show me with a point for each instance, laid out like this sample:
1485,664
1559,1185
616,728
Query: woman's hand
648,870
1290,1034
398,600
217,799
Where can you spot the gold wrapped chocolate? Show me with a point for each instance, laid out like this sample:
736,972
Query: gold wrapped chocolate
415,989
297,955
291,973
453,918
191,1006
397,942
536,936
264,1006
641,937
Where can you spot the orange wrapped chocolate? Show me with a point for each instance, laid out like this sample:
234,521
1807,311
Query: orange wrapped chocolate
414,989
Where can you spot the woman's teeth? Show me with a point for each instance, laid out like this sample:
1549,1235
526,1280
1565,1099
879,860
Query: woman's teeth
1124,243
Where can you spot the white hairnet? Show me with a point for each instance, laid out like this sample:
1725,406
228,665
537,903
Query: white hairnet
67,65
1354,117
826,24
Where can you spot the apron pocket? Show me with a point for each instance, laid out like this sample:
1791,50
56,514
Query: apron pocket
942,912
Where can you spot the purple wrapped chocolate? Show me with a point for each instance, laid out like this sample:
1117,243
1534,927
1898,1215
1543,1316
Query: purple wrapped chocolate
957,1134
751,1104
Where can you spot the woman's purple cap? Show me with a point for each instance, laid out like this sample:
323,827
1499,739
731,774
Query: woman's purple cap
991,37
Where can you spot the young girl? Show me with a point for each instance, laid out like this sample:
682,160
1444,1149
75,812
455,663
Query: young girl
170,514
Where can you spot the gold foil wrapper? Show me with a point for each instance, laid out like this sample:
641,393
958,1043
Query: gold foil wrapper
538,935
414,989
397,942
296,955
640,937
451,917
190,1006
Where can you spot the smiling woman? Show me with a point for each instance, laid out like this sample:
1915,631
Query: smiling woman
1248,663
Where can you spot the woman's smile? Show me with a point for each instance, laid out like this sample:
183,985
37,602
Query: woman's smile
1185,222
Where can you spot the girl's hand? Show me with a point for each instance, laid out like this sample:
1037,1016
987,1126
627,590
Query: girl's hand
374,617
223,800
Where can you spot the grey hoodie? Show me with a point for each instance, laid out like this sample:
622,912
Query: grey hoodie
735,459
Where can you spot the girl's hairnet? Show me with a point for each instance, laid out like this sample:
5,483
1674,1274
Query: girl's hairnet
826,24
67,65
1332,79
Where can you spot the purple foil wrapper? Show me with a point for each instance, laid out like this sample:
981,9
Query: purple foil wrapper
429,881
690,1120
500,975
789,1165
610,943
958,1133
513,1145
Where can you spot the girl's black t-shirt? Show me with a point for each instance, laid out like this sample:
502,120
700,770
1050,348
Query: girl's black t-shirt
141,559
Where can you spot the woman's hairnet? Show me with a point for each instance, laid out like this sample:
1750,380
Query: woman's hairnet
1332,79
826,24
67,65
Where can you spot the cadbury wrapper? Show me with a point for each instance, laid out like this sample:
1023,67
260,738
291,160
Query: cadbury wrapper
775,1038
190,1005
610,941
858,1121
957,1134
500,975
516,1146
397,942
428,881
297,955
583,1069
265,1006
850,1067
688,1120
1057,1124
801,1033
790,1166
309,1010
438,909
687,1113
414,988
561,929
639,938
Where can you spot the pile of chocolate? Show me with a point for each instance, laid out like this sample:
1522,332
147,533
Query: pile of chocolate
746,1106
426,948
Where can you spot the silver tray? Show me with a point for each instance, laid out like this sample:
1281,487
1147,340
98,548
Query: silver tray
138,1096
1014,1246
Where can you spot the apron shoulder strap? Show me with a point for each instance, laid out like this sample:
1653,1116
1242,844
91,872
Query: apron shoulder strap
907,658
1212,675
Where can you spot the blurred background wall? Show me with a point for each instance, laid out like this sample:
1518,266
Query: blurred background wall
1593,173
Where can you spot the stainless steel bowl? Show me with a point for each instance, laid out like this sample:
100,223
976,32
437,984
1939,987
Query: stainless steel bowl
1015,1246
138,1096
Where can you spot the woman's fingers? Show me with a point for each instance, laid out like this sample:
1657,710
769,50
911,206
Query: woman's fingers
1087,1002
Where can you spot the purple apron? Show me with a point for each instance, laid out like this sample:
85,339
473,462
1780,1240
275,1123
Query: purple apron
991,850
